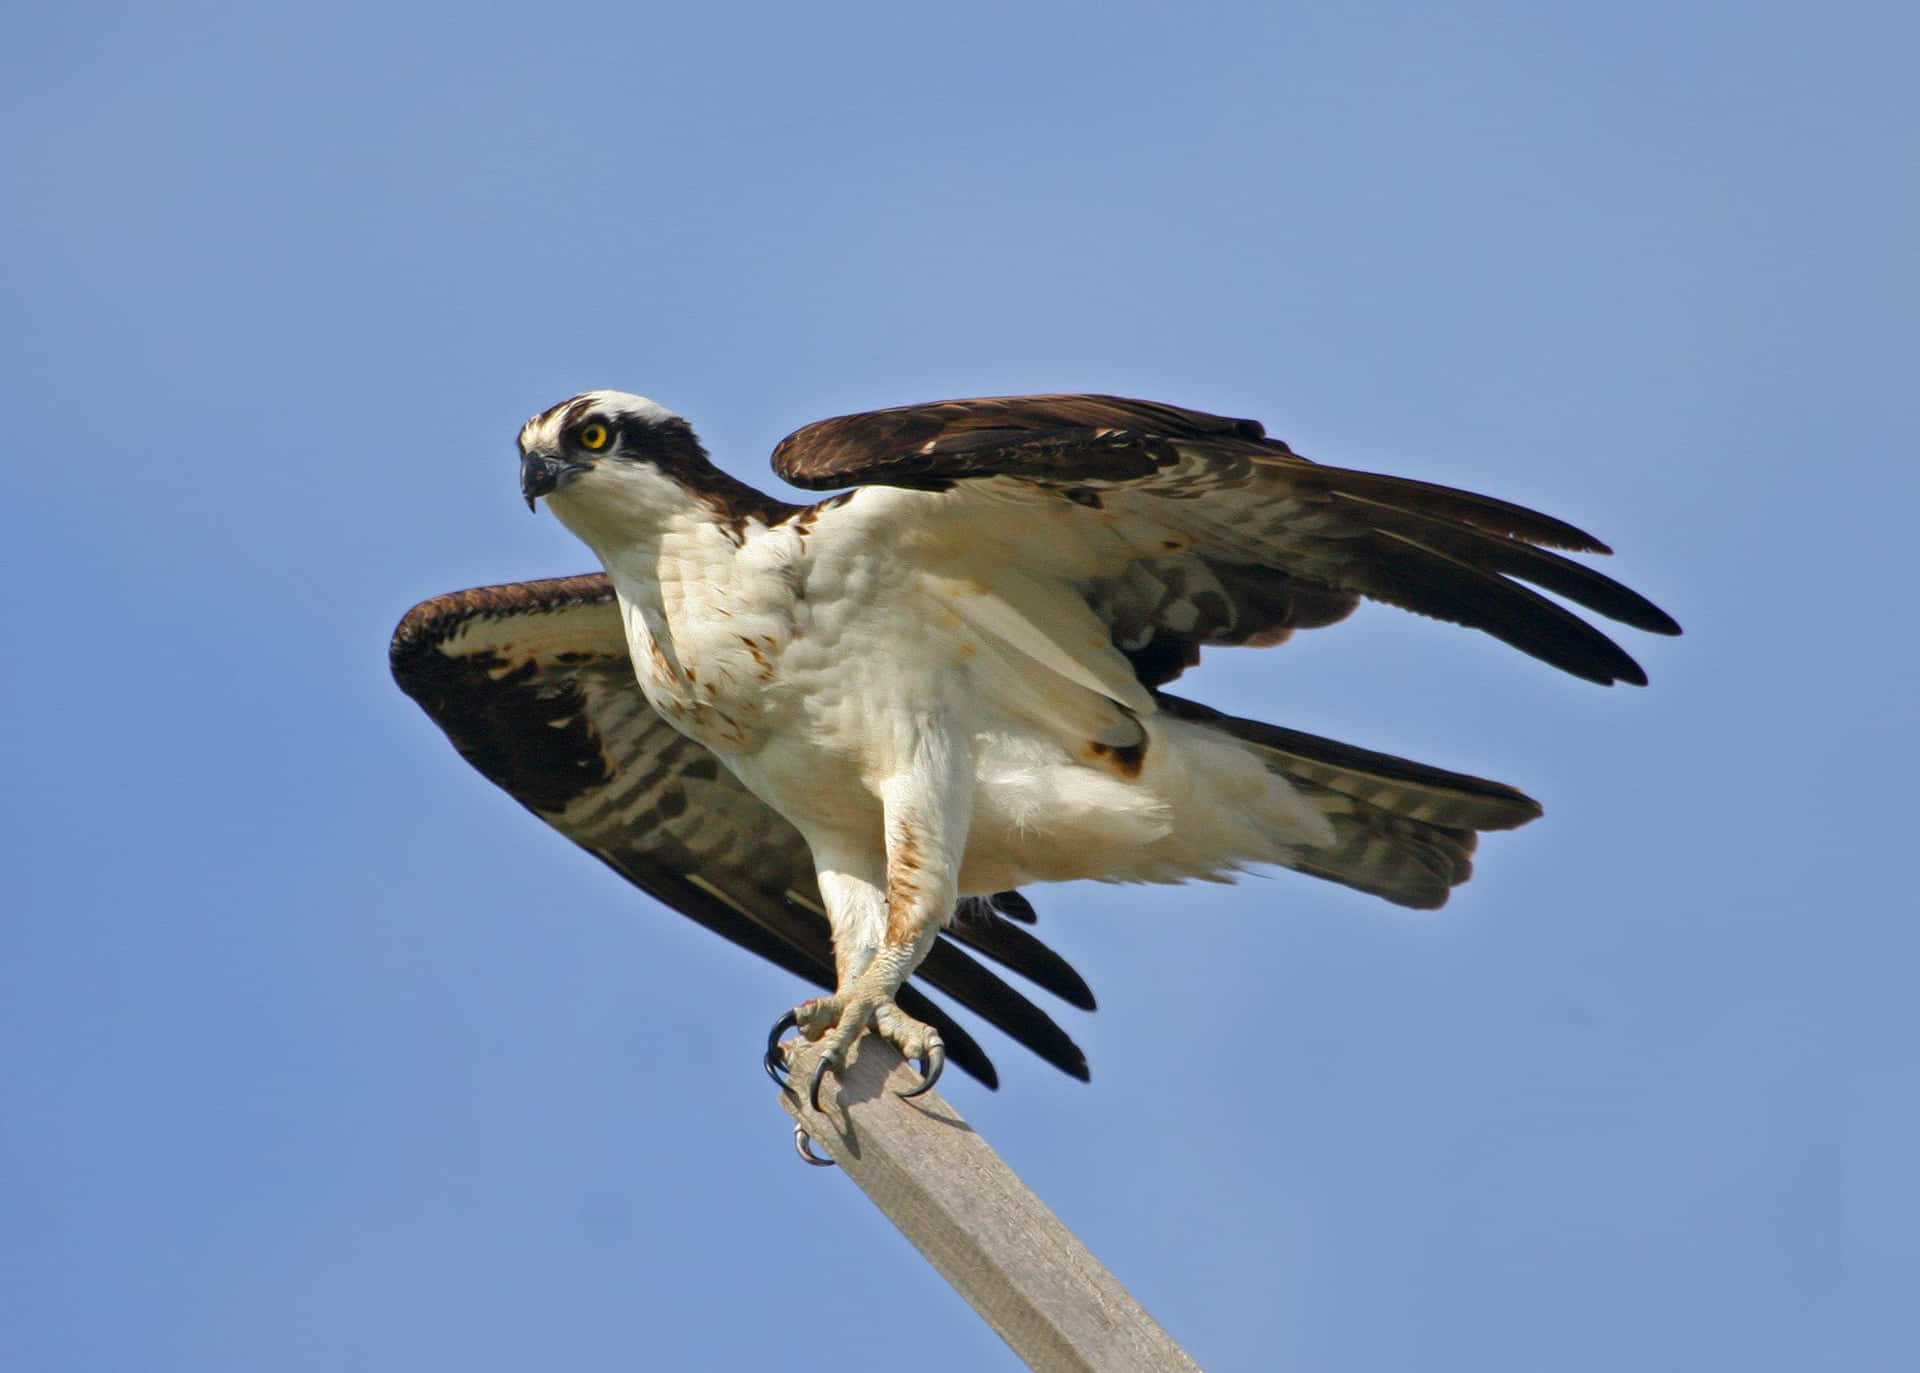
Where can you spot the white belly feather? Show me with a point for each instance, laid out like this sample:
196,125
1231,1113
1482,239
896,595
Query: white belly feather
812,666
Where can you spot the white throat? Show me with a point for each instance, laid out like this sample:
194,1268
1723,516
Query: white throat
622,507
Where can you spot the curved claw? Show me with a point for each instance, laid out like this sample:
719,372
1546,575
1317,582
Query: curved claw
819,1076
930,1068
776,1062
803,1146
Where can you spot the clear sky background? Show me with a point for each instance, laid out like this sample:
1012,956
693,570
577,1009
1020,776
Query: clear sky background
320,1054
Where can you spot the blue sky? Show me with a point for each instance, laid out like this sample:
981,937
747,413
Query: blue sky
321,1054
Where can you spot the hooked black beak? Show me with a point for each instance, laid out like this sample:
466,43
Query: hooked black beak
542,474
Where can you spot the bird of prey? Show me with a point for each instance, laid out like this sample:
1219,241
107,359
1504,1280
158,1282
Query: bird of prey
836,732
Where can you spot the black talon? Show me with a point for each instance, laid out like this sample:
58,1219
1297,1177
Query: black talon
803,1146
776,1062
930,1068
819,1076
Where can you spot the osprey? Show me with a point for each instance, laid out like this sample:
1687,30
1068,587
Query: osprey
836,733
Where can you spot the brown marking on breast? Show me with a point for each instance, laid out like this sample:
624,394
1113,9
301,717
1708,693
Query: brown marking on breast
758,650
801,522
661,666
726,731
704,721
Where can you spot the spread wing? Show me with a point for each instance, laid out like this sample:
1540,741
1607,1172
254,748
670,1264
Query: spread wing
533,685
1186,529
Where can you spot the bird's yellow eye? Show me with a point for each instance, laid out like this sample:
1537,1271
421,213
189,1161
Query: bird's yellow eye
593,437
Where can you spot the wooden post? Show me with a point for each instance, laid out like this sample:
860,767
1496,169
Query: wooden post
974,1219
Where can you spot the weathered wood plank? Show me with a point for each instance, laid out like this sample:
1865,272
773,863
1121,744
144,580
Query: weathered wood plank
975,1220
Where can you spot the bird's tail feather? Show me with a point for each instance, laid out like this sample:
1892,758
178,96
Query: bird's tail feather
1402,830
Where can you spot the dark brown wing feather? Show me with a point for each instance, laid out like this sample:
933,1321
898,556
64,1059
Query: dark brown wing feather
533,685
1232,537
1039,436
984,928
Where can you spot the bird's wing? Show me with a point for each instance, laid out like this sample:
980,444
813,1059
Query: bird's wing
533,685
1193,529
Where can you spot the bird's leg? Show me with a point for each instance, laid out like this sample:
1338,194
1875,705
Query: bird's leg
855,896
837,1021
862,999
881,937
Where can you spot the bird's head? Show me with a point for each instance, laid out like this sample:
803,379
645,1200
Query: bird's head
607,458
